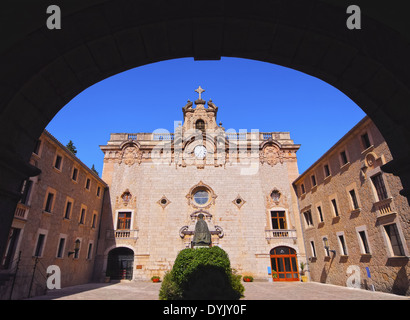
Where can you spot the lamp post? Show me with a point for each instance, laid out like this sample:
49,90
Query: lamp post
326,245
76,248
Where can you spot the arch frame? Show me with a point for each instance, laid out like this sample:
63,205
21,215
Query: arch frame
105,37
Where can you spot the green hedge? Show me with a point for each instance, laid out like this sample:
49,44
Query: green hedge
202,273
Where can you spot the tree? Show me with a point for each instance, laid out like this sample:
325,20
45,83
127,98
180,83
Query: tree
70,146
201,274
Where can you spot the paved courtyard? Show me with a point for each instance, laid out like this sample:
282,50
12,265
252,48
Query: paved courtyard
139,290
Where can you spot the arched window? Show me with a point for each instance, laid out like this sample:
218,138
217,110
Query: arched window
200,125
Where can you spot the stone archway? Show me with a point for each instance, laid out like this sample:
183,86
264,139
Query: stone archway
42,70
120,264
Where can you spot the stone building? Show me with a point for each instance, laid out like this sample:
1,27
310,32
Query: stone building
55,223
355,222
241,182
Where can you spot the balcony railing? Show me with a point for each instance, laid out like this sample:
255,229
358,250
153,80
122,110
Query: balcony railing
384,207
21,211
232,136
121,234
280,234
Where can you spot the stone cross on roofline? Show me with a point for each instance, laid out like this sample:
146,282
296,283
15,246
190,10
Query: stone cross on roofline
200,91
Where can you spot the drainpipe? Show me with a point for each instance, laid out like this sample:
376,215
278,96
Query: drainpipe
303,240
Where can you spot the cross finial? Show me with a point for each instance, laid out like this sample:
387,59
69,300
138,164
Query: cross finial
200,90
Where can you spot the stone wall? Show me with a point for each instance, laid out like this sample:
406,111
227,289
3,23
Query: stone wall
389,272
54,225
158,226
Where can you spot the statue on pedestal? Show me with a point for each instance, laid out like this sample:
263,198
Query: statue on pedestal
202,236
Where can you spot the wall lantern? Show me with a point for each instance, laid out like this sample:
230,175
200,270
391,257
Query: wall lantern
76,248
326,245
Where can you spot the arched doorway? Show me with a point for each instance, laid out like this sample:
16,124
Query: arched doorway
120,264
284,264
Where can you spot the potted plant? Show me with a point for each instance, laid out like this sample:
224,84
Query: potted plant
302,272
247,278
155,279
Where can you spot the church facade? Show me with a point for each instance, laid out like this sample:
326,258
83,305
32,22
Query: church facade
161,184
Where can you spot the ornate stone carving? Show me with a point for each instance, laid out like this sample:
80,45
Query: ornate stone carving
372,160
271,154
126,197
189,230
125,200
275,198
238,201
163,202
129,155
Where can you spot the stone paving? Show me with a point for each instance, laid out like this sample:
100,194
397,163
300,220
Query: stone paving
140,290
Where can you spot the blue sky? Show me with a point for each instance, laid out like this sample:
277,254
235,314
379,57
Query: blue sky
249,94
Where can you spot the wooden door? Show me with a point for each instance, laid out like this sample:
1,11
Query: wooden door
284,264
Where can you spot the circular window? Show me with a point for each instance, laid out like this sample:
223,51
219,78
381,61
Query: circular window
201,197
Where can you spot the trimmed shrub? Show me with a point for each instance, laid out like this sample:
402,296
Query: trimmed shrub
202,273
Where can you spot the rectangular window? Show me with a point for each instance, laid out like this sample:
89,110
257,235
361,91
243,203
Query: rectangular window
124,220
75,174
98,191
61,245
313,180
303,188
68,210
394,238
90,250
342,245
334,205
49,202
58,161
319,210
278,220
343,157
7,260
308,218
82,216
87,184
94,221
354,199
365,141
312,246
378,184
364,244
26,191
77,252
37,147
39,245
327,170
